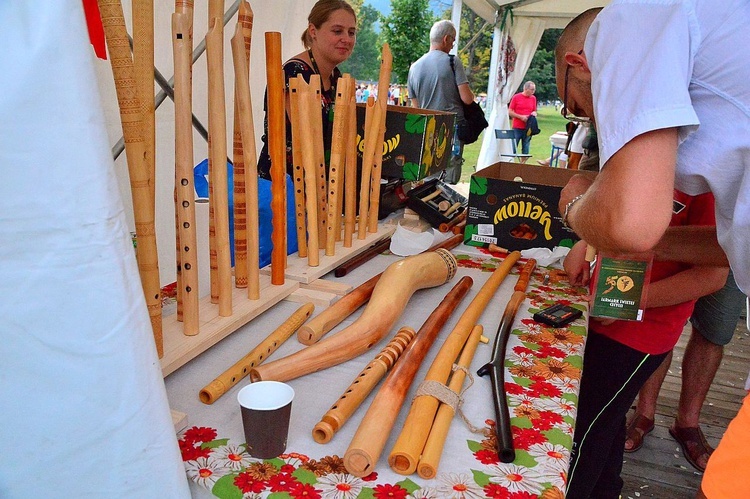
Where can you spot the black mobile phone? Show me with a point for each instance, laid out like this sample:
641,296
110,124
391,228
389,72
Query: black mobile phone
557,315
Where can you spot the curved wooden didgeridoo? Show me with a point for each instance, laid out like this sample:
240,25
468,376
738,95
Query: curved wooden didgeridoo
369,440
433,448
331,317
496,366
182,40
218,387
410,443
361,387
389,298
143,203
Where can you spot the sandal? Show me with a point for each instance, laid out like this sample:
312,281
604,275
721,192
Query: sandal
637,428
694,445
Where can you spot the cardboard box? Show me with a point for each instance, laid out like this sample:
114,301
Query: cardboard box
514,206
417,143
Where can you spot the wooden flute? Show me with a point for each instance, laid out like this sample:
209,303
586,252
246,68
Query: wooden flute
495,367
384,78
369,440
405,454
336,169
363,257
389,298
350,175
315,125
309,166
219,386
361,387
372,118
298,167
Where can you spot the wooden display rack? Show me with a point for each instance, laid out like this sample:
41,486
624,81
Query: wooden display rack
297,268
180,349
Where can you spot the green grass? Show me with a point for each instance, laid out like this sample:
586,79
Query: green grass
550,121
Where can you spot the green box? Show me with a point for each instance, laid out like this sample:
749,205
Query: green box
514,206
417,143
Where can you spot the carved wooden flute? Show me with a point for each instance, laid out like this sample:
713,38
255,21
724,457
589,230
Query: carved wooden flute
384,79
218,387
297,166
405,453
369,440
495,367
361,387
389,298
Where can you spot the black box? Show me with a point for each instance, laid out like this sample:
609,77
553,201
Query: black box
429,209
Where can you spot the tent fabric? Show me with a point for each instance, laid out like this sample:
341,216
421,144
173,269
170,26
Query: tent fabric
85,412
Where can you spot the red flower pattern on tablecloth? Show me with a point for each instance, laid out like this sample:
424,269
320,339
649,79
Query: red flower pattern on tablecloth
248,484
387,491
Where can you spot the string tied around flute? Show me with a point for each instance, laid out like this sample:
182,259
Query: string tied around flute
447,396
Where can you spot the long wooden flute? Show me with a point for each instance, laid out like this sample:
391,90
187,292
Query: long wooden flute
384,79
297,167
277,153
369,440
405,453
336,168
372,118
218,387
495,367
309,168
433,448
350,175
316,126
130,116
361,387
182,40
363,257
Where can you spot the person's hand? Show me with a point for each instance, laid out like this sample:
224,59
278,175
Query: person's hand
523,118
577,185
533,114
576,266
603,321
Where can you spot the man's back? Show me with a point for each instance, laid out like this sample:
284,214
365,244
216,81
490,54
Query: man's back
432,83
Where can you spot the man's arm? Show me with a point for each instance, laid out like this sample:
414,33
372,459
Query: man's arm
695,244
628,207
690,284
414,102
467,96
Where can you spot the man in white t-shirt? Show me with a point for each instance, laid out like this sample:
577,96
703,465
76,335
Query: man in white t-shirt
666,84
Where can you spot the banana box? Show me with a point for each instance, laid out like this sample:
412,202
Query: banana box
417,142
514,206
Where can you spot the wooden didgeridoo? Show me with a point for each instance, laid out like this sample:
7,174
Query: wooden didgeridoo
361,387
182,44
496,366
384,79
405,454
297,168
336,169
331,317
433,448
389,298
309,166
277,153
350,175
248,192
369,440
372,118
239,205
217,126
218,387
130,116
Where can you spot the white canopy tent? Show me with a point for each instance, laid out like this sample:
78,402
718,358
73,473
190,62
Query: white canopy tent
513,48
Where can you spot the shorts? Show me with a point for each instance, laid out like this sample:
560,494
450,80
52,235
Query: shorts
715,316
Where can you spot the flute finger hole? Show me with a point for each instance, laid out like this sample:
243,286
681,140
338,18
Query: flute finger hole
184,181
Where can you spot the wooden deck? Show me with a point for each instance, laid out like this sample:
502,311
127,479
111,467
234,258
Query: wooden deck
658,469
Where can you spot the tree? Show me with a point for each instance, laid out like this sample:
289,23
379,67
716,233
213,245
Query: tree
407,31
364,63
475,49
542,68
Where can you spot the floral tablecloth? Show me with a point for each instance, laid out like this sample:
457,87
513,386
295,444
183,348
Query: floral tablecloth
543,370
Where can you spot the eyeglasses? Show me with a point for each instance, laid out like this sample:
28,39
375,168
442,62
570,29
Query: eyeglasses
564,110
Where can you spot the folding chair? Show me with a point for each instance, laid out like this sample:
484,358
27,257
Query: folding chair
511,136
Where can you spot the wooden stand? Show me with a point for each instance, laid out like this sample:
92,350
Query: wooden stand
180,349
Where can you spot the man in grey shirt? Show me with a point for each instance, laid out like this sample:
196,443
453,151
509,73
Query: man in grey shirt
433,84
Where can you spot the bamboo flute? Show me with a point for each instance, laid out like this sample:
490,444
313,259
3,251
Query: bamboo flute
433,449
350,176
389,298
384,80
182,40
370,438
309,168
299,174
363,257
336,169
277,153
143,69
247,193
316,125
496,366
239,200
219,386
331,317
405,453
372,118
130,117
361,387
217,126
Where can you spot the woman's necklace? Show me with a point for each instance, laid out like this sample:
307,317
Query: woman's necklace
316,68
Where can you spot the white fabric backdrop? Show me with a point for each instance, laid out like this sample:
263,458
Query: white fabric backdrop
83,404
